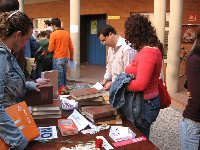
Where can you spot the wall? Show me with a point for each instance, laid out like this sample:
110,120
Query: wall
120,8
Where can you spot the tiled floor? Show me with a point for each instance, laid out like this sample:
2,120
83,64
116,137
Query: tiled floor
93,73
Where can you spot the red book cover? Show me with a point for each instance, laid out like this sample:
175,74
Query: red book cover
67,127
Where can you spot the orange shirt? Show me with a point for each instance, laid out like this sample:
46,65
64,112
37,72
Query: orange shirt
61,45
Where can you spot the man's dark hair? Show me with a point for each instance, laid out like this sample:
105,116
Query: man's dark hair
47,22
9,5
105,30
56,22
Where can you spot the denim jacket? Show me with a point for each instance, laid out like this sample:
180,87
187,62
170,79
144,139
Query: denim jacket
12,89
130,104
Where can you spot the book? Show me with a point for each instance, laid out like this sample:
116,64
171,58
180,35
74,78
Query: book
56,105
91,101
47,116
21,115
49,112
45,96
119,133
111,122
101,119
99,111
67,127
53,76
85,93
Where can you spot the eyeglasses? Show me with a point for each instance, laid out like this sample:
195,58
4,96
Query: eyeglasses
103,41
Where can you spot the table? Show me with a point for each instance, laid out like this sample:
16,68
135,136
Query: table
34,145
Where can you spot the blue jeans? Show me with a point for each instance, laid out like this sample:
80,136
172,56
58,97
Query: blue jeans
189,134
60,64
9,133
151,111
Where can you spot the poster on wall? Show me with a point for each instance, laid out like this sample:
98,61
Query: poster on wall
189,33
93,26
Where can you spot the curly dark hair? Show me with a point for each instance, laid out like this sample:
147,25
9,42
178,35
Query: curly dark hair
139,32
13,21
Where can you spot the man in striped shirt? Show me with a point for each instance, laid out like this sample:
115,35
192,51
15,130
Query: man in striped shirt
120,54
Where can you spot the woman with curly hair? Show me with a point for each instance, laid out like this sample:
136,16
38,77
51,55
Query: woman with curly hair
146,67
15,29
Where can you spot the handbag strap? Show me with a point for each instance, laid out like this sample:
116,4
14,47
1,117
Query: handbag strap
162,72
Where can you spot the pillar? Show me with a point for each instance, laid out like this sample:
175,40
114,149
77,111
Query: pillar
75,35
160,18
174,45
21,5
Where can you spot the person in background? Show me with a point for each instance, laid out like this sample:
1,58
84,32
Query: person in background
31,47
47,25
15,29
9,5
120,54
61,45
146,67
43,57
190,124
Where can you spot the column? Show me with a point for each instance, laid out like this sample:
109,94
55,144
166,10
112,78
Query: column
159,23
75,35
174,45
160,18
21,5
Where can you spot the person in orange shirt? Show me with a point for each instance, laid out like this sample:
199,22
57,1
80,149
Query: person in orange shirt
61,45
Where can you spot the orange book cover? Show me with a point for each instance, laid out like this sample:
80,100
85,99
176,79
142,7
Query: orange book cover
67,127
22,118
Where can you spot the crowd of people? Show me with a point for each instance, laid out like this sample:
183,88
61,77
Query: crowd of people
139,54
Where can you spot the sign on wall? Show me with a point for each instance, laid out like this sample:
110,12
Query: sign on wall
113,17
93,26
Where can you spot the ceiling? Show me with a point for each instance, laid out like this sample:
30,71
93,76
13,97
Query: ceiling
37,1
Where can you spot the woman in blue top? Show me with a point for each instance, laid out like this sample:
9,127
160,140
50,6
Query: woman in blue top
15,29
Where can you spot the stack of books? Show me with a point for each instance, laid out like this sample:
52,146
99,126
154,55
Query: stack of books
87,97
85,93
47,111
96,101
67,127
99,113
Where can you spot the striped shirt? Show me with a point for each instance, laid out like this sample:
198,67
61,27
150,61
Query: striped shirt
118,59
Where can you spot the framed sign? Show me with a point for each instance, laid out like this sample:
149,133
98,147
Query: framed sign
189,33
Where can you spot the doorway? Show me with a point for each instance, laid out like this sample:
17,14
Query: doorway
91,49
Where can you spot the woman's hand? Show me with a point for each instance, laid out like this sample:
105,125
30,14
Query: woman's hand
41,81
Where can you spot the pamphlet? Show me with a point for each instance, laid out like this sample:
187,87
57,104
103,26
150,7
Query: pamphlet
72,64
79,120
47,133
98,86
